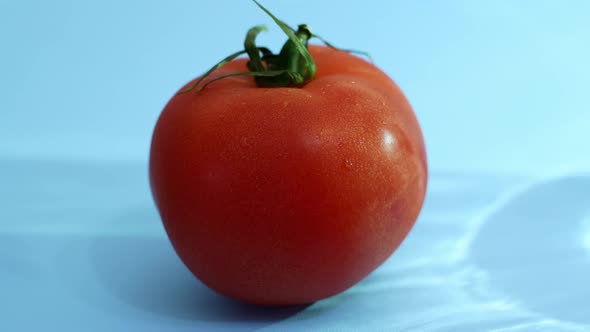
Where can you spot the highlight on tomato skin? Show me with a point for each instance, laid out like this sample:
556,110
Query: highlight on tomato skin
287,194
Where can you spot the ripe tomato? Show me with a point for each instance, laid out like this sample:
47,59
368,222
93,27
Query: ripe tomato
289,195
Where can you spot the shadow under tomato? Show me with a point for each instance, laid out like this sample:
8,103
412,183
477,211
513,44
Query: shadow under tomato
147,274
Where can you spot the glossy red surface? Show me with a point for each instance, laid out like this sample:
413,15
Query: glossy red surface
289,195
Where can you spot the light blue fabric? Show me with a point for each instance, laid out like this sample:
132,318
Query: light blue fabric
501,90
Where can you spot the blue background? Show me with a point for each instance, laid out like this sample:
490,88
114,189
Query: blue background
500,88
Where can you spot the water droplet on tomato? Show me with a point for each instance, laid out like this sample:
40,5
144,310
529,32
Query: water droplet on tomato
347,164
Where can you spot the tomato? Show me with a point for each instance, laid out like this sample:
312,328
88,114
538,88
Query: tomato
289,195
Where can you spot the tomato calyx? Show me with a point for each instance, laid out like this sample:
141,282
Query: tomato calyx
293,66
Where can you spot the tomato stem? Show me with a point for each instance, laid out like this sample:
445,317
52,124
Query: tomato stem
292,67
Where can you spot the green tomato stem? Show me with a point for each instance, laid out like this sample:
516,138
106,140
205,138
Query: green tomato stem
292,67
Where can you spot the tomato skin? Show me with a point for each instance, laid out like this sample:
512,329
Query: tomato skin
283,196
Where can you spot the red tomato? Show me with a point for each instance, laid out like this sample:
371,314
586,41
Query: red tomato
282,196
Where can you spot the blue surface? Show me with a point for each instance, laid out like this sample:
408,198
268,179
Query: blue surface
500,87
